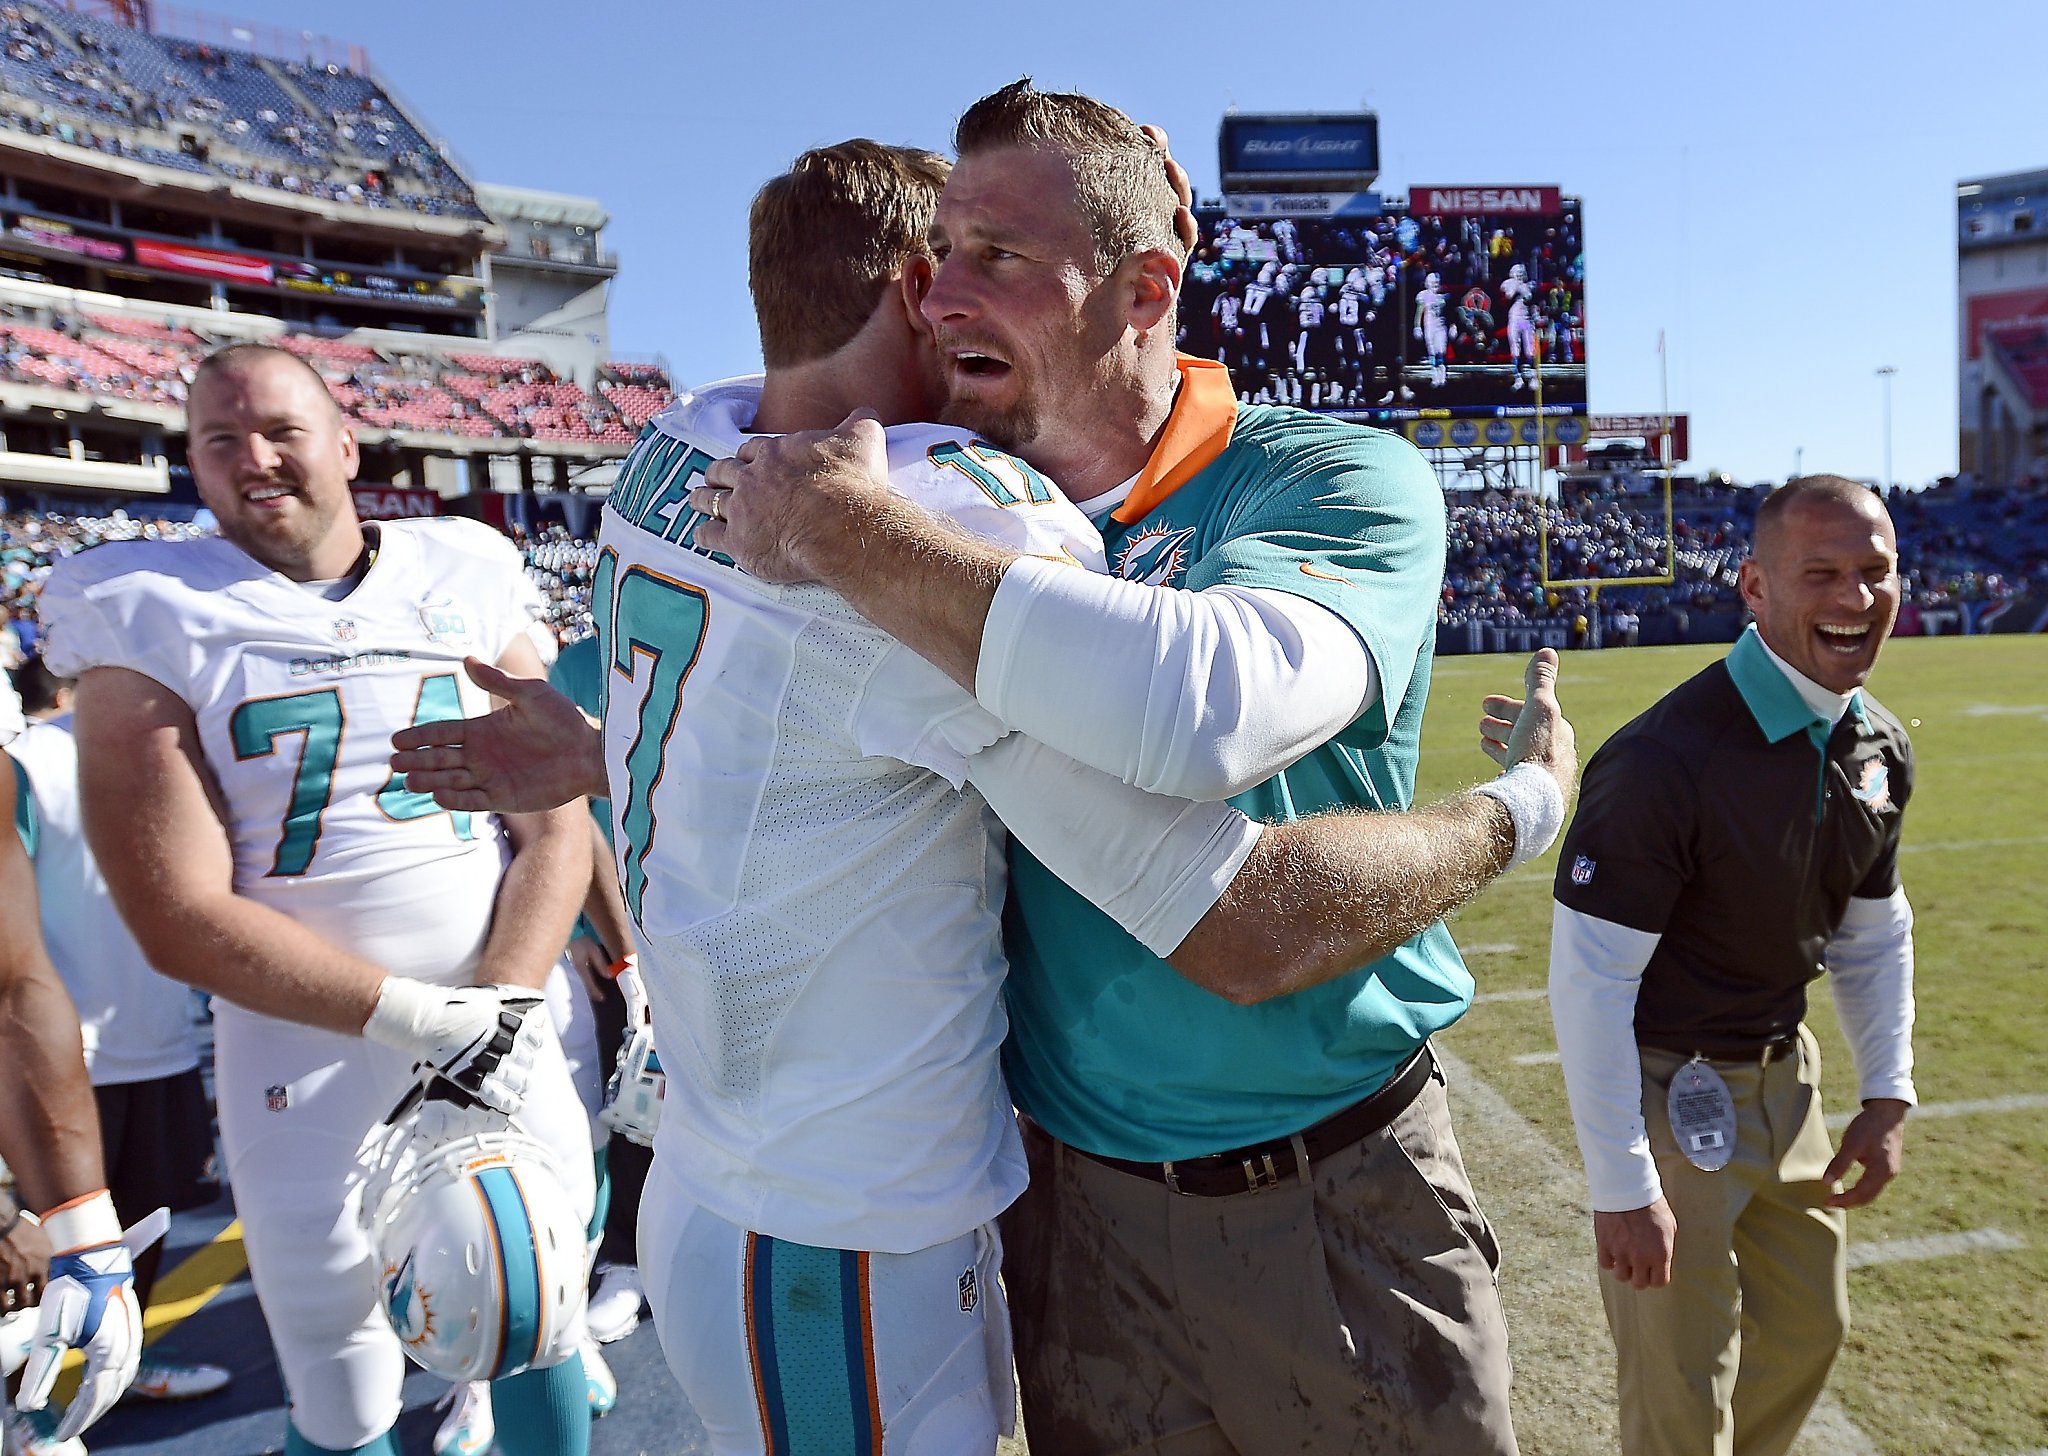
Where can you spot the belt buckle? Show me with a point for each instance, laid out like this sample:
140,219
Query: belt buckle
1260,1176
1173,1180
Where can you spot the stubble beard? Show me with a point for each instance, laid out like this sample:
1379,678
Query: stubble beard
1009,428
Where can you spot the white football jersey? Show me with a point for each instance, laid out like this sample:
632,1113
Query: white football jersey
136,1024
296,699
819,901
1518,291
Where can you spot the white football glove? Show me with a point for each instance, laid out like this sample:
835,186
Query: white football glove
89,1304
635,992
479,1042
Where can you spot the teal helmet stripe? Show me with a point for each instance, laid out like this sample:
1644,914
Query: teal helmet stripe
518,1263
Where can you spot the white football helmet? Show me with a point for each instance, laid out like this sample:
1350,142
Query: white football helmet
632,1105
481,1257
1518,272
1433,281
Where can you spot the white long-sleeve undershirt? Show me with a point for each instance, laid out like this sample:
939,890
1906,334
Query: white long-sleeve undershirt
1154,865
1195,694
1596,970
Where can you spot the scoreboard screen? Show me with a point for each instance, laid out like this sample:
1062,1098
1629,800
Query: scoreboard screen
1400,315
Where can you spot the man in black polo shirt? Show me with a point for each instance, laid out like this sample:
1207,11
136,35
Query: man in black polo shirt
1730,844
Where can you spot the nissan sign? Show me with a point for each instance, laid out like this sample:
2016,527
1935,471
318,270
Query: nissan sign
1440,201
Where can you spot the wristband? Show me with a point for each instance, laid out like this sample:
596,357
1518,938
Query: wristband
1535,806
623,963
86,1222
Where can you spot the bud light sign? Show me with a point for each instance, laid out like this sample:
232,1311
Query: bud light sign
1302,147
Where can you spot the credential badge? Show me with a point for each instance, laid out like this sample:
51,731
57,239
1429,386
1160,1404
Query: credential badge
1582,870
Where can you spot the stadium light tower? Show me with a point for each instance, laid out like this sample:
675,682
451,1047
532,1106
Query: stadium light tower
1885,372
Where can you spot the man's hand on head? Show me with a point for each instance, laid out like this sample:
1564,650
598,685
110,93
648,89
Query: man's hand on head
796,507
1184,224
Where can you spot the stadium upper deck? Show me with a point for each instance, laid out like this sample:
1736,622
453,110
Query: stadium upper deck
315,132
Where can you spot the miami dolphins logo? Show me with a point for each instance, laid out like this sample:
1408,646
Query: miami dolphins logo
412,1317
1156,555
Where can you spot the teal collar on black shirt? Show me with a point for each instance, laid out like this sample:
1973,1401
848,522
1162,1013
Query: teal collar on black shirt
1777,707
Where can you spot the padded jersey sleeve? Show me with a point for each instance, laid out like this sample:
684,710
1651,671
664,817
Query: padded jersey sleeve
909,710
102,608
1352,519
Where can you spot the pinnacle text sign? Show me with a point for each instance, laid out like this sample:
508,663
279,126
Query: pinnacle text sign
1440,200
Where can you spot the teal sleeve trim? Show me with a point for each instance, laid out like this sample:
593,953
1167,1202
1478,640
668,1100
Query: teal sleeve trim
27,822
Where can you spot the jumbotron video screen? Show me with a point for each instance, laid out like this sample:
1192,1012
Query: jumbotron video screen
1399,316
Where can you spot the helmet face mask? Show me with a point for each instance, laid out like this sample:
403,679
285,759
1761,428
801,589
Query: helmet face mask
632,1101
480,1250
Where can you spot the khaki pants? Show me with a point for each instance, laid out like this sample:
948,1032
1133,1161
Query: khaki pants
1729,1358
1353,1312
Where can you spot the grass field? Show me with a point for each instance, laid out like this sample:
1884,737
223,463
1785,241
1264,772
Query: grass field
1949,1352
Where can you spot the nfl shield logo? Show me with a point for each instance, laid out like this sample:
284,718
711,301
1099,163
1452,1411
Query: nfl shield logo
970,1292
1582,870
277,1097
344,630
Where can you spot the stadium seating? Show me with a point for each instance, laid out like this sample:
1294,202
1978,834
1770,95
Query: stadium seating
467,395
2022,348
322,132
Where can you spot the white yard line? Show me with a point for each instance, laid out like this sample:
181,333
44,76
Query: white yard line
1961,844
1560,1199
1933,1246
2017,1102
1526,993
1490,947
1539,1059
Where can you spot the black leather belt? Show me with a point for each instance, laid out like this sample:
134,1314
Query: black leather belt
1755,1053
1266,1165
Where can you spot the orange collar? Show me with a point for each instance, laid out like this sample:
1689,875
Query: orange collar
1196,432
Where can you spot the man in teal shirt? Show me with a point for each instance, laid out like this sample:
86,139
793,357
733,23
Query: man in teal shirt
1249,1228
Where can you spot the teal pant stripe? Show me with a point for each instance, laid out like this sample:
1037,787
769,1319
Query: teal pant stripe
519,1257
811,1330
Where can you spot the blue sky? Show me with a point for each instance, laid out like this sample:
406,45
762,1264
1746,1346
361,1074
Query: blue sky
1771,184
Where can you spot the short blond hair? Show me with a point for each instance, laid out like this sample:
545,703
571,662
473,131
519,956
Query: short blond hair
827,236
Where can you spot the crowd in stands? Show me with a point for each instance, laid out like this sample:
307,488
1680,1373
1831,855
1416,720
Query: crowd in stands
474,395
560,564
319,131
1954,550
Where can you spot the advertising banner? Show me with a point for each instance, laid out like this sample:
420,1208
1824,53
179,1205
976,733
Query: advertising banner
389,503
49,233
1296,146
1454,201
1304,204
1471,434
204,262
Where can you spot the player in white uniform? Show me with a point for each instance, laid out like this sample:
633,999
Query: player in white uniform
818,899
1521,322
1431,328
235,703
66,1276
141,1049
